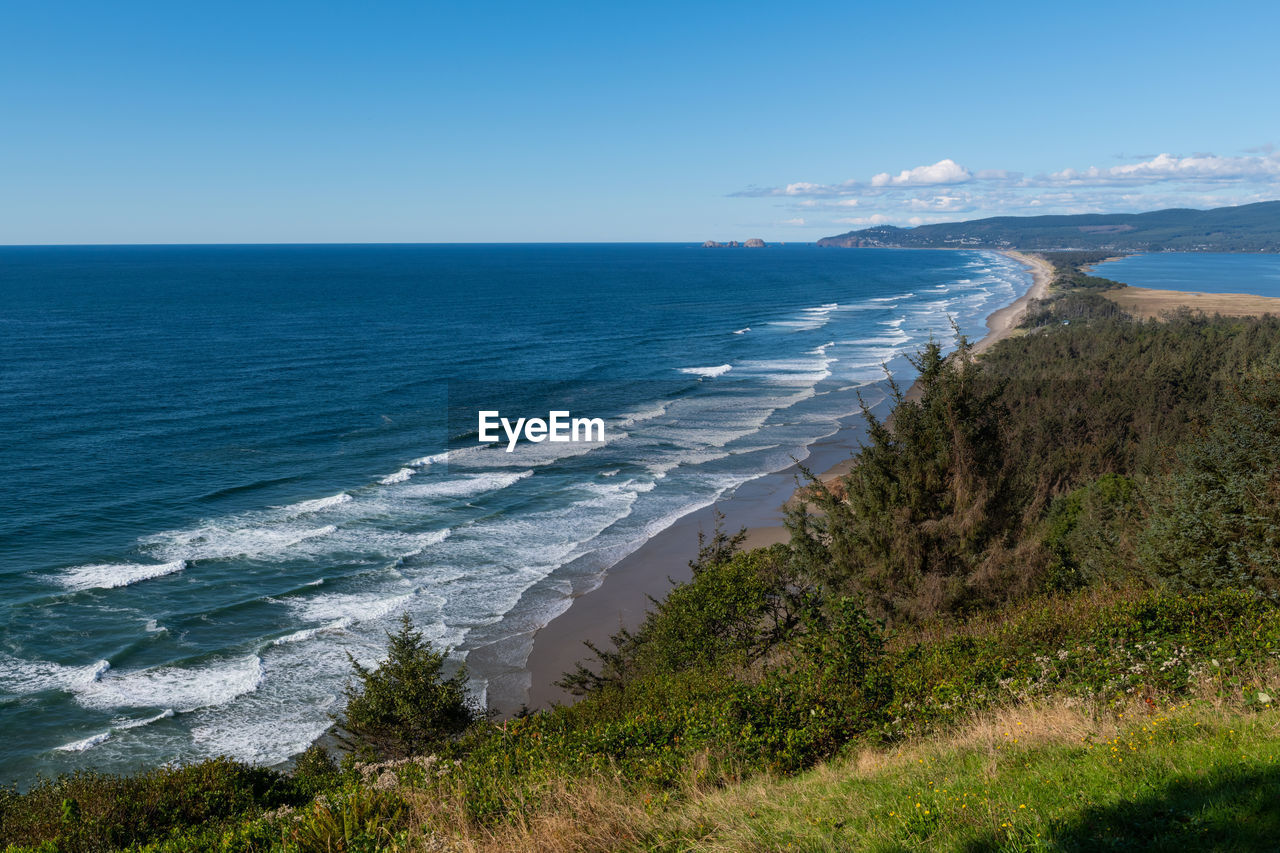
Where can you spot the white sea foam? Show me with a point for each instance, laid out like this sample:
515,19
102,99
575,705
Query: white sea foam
308,633
146,721
398,477
178,687
890,298
527,454
808,325
317,505
743,331
290,710
86,744
434,459
19,677
102,737
112,575
341,610
791,371
262,733
628,419
222,540
413,544
707,372
898,337
466,485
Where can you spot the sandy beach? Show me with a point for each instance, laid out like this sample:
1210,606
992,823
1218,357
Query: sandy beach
623,597
1001,324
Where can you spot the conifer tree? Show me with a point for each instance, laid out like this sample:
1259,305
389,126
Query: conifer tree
406,706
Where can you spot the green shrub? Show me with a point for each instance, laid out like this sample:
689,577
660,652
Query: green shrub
736,609
908,528
315,769
1091,532
406,706
88,811
1216,522
354,820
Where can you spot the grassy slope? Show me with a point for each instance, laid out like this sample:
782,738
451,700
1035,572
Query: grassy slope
1194,777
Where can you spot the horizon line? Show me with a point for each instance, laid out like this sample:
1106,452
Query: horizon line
697,243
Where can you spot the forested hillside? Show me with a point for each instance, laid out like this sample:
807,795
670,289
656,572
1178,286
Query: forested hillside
1246,228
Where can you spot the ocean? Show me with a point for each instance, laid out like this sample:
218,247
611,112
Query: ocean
226,468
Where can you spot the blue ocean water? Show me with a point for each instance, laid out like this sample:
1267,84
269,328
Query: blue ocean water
227,467
1200,272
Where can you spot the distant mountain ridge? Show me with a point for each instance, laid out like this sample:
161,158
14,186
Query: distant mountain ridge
1246,228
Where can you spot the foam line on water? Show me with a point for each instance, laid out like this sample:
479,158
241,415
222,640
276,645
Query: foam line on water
86,744
341,610
467,485
19,677
434,459
628,419
113,575
707,372
125,725
807,325
233,538
122,725
309,633
182,688
316,505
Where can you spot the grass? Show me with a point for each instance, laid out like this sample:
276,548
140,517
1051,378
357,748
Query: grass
1188,778
1059,777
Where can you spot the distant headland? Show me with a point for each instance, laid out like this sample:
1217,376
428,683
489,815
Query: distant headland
1246,228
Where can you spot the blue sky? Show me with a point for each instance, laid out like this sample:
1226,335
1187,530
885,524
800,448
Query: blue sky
139,122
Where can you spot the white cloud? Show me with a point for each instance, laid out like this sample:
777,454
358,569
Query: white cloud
801,188
1198,168
943,172
876,219
799,221
948,190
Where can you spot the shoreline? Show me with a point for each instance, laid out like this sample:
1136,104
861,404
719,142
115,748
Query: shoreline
622,597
